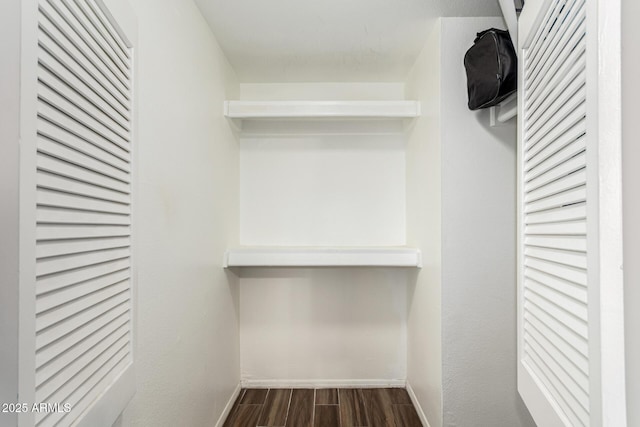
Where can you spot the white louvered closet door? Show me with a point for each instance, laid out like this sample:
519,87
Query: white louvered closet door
78,353
570,339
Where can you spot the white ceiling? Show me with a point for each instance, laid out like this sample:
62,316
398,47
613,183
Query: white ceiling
328,40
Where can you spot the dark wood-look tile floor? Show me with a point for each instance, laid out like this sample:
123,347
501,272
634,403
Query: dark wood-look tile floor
375,407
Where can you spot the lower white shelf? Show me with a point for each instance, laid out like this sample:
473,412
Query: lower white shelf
264,256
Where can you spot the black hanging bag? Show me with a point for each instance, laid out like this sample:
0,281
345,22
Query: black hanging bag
492,69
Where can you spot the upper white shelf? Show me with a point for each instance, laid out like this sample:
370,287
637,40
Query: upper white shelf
260,256
321,109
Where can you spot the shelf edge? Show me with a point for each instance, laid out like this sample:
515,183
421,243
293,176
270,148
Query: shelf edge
321,109
329,257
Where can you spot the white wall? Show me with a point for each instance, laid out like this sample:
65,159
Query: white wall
9,209
321,91
631,202
338,186
186,210
324,190
424,340
323,326
313,184
478,249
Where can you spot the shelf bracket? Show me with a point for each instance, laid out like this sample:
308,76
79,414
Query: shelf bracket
504,111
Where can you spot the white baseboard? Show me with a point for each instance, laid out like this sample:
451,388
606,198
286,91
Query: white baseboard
246,383
416,404
227,408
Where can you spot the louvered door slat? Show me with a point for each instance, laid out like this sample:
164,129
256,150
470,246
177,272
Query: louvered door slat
82,112
84,28
66,122
556,113
565,414
576,382
91,389
62,350
571,67
52,53
563,28
566,228
57,45
80,116
570,258
549,293
55,165
105,117
574,355
567,94
557,43
566,181
79,275
47,232
54,25
65,18
569,197
574,213
53,198
554,83
570,405
59,264
56,364
51,215
80,81
577,276
572,243
541,33
51,181
55,382
567,50
48,301
69,155
568,289
64,312
542,319
572,322
86,380
564,161
66,247
48,336
548,153
94,25
561,133
83,177
106,30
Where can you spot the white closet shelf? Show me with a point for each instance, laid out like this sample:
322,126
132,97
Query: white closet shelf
281,256
279,110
